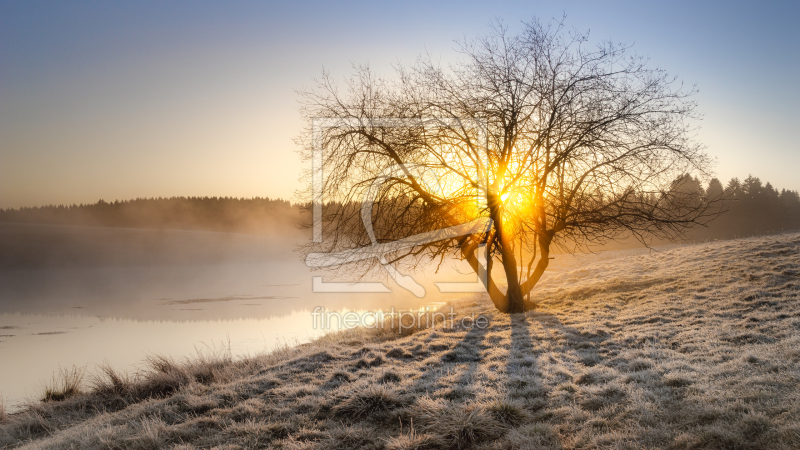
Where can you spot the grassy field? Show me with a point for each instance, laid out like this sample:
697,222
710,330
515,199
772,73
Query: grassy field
694,347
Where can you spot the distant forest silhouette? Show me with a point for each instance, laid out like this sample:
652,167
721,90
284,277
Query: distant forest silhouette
750,208
223,214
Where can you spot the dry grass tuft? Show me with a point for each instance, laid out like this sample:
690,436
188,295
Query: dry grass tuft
458,425
67,383
163,377
390,377
3,414
677,380
510,413
347,438
109,382
339,377
398,353
413,441
370,401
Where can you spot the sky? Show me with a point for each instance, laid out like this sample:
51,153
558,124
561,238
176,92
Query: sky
119,100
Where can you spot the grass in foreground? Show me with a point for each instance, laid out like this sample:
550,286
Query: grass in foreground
67,384
697,347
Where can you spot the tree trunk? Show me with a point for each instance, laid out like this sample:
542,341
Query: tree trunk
516,302
500,301
544,260
514,298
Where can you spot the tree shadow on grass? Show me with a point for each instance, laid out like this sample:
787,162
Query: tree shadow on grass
521,346
463,359
588,347
523,377
604,373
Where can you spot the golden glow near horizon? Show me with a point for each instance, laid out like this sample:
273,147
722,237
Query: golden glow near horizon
118,101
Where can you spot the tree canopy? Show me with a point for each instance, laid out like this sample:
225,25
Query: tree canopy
555,140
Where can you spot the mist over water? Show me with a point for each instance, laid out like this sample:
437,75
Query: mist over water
72,295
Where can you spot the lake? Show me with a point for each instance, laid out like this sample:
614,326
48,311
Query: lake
83,296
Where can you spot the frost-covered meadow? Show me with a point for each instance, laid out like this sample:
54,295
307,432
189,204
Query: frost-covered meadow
691,347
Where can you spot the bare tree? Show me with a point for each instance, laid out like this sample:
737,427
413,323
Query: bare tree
556,141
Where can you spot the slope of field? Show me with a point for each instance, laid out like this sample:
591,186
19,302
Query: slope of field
693,347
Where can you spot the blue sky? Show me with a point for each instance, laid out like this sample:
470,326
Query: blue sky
117,100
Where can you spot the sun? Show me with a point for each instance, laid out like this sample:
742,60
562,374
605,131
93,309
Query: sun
517,204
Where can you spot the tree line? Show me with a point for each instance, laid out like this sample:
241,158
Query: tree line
749,208
225,214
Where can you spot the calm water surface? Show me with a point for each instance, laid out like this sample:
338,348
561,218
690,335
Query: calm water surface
78,296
